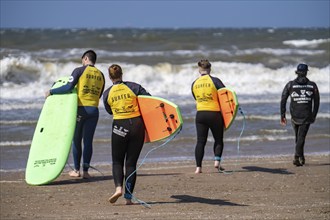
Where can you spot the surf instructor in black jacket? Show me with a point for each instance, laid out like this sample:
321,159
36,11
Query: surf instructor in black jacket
304,105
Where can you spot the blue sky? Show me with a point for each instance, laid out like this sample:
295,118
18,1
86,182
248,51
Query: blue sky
163,14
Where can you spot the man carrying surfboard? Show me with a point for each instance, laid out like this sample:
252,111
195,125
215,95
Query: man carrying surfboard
304,105
90,85
128,131
208,116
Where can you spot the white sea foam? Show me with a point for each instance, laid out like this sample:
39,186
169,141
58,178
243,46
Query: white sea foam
160,79
18,105
17,122
280,52
306,43
15,143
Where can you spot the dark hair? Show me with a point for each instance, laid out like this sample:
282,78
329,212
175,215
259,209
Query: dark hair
91,56
115,71
204,64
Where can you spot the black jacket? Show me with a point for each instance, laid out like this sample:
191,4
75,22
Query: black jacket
305,100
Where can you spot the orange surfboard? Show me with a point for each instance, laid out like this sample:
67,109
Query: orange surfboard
228,105
161,117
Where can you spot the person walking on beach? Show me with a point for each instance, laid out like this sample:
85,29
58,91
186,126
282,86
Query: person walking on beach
90,85
208,116
128,131
304,105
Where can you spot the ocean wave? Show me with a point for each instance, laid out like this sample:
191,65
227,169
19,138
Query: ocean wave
277,117
18,122
271,137
162,79
18,105
72,54
15,143
306,43
279,52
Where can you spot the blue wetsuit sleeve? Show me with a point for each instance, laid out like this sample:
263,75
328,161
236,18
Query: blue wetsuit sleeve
61,90
71,84
105,101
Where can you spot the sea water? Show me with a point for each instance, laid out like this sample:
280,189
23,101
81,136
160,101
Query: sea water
256,63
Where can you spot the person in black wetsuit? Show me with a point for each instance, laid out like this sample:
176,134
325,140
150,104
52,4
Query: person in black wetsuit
208,116
90,85
304,105
128,131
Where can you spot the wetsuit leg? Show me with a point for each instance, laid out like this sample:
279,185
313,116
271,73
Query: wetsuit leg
85,127
134,147
119,142
88,134
76,145
300,136
202,132
216,126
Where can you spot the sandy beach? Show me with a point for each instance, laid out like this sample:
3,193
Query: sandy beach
260,188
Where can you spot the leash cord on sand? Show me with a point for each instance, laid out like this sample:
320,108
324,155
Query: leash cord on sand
238,144
143,160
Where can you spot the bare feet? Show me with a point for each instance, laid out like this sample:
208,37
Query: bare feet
86,175
129,202
116,195
74,173
198,170
216,164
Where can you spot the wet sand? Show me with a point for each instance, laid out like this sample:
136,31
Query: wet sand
260,188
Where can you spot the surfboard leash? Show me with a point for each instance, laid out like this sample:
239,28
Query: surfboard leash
142,162
238,143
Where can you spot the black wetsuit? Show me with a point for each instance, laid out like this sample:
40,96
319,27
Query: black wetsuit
127,140
209,119
304,105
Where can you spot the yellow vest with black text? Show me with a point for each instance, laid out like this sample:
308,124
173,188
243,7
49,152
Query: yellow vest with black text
89,87
206,94
123,102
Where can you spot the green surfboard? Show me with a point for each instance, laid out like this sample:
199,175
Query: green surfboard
52,137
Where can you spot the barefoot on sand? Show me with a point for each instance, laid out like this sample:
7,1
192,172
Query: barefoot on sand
216,164
198,170
129,202
116,195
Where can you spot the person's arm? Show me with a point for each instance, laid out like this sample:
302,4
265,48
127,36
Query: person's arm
105,101
192,90
103,85
143,91
316,104
218,83
73,80
284,98
136,88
